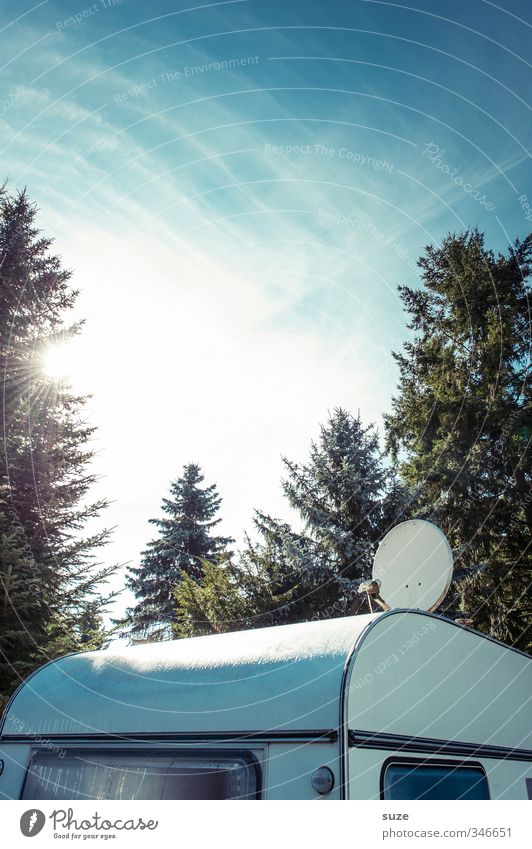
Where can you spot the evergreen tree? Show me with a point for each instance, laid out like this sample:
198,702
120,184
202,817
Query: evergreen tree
233,596
48,574
23,613
461,423
301,567
347,501
185,540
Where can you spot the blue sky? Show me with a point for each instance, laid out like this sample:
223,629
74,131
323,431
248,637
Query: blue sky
239,187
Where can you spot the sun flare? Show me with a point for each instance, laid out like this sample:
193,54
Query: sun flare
63,361
55,361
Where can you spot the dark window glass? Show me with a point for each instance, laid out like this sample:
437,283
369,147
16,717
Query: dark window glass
431,781
118,775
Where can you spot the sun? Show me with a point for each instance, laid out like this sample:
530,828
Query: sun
55,361
63,361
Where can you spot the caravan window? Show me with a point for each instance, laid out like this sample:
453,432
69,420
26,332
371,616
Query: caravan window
433,780
93,774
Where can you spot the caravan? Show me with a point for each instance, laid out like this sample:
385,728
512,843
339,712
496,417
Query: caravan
396,704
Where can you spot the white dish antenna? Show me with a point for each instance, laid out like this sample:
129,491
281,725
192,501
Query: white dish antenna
413,566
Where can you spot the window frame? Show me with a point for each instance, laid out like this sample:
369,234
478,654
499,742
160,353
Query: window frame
190,752
397,760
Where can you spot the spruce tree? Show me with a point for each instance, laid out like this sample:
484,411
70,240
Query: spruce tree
461,423
300,567
347,500
344,494
233,596
185,540
48,572
23,611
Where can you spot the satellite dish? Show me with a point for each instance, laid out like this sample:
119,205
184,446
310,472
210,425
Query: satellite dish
413,566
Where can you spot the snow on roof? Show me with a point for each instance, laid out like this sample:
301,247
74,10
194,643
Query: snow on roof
284,678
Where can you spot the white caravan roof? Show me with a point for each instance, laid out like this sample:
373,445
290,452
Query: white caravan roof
284,678
411,674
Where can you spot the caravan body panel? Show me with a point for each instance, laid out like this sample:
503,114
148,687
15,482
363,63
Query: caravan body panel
440,691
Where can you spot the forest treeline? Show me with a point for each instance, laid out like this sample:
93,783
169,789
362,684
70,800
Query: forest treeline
456,451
